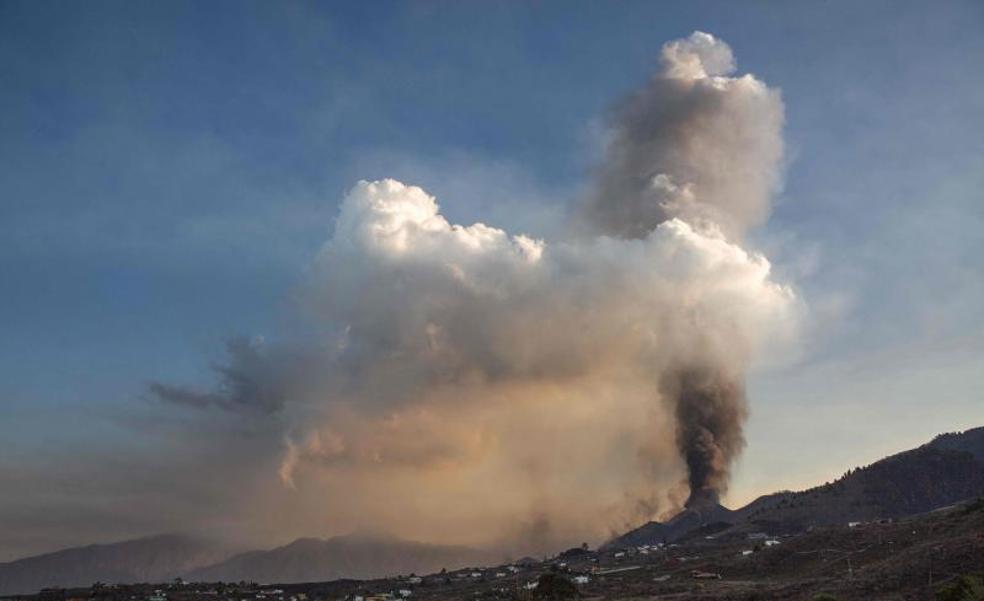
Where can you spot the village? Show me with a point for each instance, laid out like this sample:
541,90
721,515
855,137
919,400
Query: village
885,559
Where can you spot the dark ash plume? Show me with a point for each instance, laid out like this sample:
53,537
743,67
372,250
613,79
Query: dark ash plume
489,375
711,409
698,145
692,144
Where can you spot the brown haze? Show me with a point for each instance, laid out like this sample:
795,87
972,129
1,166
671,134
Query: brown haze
461,384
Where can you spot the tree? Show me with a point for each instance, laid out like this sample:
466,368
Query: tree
554,587
969,587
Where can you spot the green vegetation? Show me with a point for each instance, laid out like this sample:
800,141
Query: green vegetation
969,587
554,587
824,597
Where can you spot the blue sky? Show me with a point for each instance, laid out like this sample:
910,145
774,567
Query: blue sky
168,170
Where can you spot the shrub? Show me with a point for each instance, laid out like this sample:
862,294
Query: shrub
969,587
554,587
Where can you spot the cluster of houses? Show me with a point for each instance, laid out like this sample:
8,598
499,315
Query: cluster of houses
642,550
761,539
579,566
404,592
178,590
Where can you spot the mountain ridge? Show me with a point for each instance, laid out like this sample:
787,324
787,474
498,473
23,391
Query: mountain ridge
946,470
147,559
349,556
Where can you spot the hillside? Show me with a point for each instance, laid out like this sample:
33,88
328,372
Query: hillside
707,519
313,559
947,470
151,559
944,471
971,441
908,559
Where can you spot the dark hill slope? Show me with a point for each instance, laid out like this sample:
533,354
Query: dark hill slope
942,472
707,519
971,441
152,559
314,559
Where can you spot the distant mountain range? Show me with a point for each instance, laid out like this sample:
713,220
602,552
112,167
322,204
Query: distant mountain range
152,559
944,471
947,470
163,558
360,557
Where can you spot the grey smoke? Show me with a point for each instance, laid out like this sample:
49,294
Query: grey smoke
248,383
695,145
692,144
489,376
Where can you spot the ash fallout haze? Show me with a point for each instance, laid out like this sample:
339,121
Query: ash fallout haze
515,277
446,355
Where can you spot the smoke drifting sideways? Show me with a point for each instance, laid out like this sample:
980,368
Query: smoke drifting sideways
462,384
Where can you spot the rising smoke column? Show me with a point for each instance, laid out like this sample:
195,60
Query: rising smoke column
493,379
710,411
697,145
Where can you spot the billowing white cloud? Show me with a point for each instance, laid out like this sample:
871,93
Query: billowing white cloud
484,380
